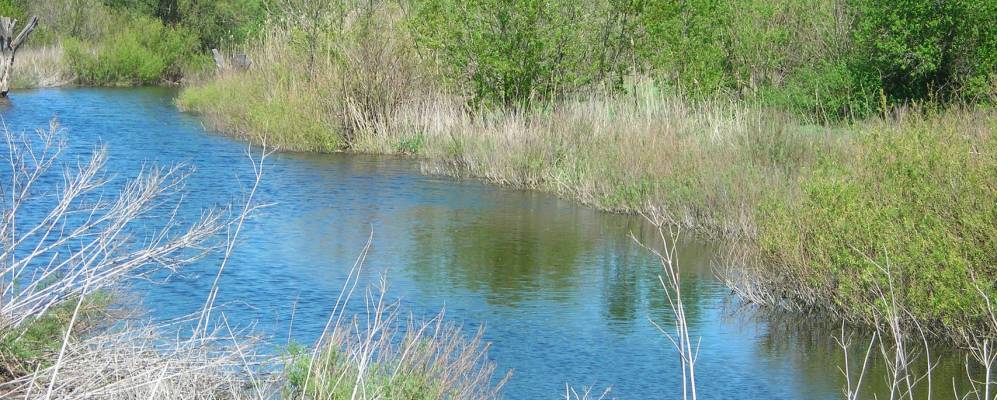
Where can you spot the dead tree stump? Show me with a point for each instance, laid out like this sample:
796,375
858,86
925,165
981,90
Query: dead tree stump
8,46
238,62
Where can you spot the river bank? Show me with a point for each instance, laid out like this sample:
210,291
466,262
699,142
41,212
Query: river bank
802,186
518,260
791,191
842,154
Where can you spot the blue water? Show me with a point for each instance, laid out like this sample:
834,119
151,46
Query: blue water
565,296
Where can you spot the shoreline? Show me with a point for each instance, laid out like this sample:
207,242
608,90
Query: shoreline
726,170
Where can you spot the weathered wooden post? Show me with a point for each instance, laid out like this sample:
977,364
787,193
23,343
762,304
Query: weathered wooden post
219,60
238,62
8,46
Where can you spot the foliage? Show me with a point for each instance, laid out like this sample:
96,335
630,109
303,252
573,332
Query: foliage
13,9
133,42
143,51
831,59
214,22
917,199
504,52
919,48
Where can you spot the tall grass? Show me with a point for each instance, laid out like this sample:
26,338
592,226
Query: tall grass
385,355
707,164
42,67
321,93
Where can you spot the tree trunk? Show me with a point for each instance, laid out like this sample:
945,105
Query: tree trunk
8,46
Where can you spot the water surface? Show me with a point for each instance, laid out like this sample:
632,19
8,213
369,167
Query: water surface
564,294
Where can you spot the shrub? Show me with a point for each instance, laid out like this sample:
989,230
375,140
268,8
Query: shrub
686,45
918,48
216,23
508,53
827,91
917,198
142,52
13,9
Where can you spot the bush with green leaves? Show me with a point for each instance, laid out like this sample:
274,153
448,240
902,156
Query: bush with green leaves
917,49
143,51
215,23
916,198
13,9
504,52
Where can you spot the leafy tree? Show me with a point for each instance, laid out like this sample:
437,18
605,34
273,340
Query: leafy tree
507,52
919,48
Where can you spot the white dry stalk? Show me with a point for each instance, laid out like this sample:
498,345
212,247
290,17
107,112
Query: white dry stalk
587,393
852,390
671,283
900,358
363,356
88,241
131,365
249,207
902,380
981,349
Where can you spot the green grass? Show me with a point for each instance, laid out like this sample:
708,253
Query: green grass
331,375
261,110
33,345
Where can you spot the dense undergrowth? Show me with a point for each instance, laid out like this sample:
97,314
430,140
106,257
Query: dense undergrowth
912,196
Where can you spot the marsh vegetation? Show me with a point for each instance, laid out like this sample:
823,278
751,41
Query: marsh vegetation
841,151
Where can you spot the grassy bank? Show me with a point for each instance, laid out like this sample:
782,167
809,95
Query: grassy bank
819,193
56,341
821,207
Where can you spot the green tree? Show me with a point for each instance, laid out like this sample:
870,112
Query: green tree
507,52
920,48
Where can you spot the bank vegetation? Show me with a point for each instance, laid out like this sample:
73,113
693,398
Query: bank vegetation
819,137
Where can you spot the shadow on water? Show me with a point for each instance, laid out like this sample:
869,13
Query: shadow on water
565,294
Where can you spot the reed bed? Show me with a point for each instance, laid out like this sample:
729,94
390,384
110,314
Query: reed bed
42,67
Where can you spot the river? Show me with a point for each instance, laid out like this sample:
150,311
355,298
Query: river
564,294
